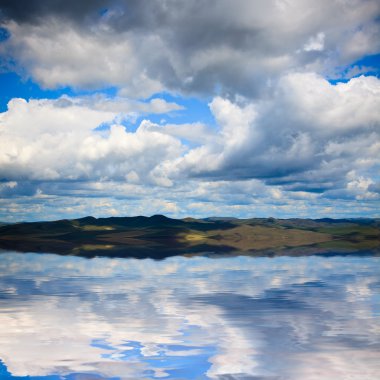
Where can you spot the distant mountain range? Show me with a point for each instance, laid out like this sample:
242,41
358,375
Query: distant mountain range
159,236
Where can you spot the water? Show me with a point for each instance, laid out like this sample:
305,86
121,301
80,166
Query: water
189,318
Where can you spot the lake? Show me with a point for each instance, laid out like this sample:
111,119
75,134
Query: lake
288,318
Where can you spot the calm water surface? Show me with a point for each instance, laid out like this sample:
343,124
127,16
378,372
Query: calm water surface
189,318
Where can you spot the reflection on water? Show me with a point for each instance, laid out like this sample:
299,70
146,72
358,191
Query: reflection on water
236,318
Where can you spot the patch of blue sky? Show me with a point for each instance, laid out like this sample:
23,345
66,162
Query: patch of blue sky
194,110
370,61
4,34
368,66
14,86
103,127
4,374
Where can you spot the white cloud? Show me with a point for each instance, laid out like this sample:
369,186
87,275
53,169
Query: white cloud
316,43
57,140
305,137
312,102
304,132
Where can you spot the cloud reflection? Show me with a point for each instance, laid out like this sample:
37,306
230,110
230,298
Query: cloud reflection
181,318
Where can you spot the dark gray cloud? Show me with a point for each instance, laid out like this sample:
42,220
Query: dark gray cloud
209,47
34,10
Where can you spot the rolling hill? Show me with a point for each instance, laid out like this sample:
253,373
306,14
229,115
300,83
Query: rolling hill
159,236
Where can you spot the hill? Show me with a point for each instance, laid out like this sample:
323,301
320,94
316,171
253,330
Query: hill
159,236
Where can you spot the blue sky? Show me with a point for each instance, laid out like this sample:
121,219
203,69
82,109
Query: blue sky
188,108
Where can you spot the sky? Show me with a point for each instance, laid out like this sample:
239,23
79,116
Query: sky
260,108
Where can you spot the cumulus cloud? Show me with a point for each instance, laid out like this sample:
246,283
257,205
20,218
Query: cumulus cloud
58,140
144,47
309,131
309,137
